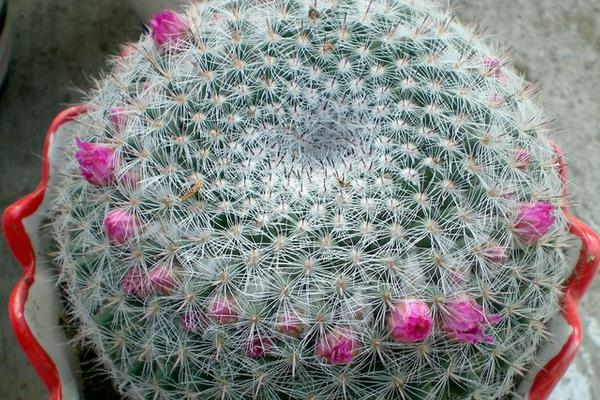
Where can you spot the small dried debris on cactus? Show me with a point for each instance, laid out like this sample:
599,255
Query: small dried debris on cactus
311,200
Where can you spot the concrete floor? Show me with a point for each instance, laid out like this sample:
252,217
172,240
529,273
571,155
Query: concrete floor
59,45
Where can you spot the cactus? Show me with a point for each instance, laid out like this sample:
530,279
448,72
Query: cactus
296,199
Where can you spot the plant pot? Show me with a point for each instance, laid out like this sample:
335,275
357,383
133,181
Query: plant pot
35,304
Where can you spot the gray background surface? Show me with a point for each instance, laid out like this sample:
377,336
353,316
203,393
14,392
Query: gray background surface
59,45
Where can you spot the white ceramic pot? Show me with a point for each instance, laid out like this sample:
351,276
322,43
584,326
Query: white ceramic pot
35,304
145,8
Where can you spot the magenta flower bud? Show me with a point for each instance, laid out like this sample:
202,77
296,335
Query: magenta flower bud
193,321
136,282
222,311
493,65
409,321
522,158
126,50
167,27
495,253
96,163
289,324
162,279
533,221
131,179
215,19
337,347
120,226
118,118
465,321
259,347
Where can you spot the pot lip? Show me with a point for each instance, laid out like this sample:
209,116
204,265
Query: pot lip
585,270
20,244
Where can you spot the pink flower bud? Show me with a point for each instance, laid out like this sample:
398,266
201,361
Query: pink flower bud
259,347
120,226
289,324
337,347
193,321
522,158
465,321
533,221
131,179
126,50
136,282
495,253
118,118
96,163
167,27
215,19
222,311
162,279
409,321
493,65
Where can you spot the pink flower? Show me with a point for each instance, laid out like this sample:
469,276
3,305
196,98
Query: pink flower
533,221
96,162
259,347
495,253
215,19
193,321
162,279
118,118
337,347
289,324
522,158
493,65
131,179
167,27
136,282
409,321
222,311
120,226
465,320
126,50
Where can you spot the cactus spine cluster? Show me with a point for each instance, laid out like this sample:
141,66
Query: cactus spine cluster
294,199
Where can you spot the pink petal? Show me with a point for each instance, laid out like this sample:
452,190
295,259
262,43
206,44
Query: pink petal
96,163
167,27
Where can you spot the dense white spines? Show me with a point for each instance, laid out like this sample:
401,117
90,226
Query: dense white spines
313,163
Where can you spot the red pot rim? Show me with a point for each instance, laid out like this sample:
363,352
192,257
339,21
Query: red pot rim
20,244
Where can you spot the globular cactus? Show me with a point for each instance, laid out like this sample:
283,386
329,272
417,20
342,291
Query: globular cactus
292,199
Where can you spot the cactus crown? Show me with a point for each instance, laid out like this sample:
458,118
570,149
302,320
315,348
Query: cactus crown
311,200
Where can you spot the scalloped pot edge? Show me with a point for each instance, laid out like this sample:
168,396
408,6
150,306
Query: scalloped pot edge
35,305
